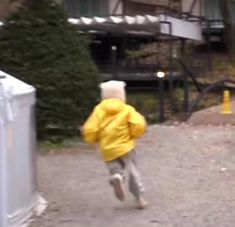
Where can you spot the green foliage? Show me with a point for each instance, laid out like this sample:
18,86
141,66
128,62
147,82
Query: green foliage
223,65
146,102
135,53
179,98
40,47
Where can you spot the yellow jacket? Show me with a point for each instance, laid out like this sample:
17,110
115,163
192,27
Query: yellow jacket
115,126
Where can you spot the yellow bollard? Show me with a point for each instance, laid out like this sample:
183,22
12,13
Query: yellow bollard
226,103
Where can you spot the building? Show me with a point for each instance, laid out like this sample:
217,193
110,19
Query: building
143,34
140,34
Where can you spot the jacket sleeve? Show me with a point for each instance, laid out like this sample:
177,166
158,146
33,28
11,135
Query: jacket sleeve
137,124
90,129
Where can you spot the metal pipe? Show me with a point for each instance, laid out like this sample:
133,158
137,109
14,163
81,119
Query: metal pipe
192,6
185,104
171,88
204,92
189,73
208,44
161,100
161,94
116,7
114,61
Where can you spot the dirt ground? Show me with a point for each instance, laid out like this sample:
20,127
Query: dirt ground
188,171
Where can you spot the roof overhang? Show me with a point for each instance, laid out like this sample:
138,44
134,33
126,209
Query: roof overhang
130,25
139,25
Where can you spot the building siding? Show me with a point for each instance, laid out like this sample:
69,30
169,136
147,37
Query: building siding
7,7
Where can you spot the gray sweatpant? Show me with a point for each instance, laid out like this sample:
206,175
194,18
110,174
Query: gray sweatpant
128,162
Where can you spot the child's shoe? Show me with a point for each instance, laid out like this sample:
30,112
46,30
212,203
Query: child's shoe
141,203
117,183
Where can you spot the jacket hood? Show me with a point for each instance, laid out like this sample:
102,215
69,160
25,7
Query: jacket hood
113,90
112,106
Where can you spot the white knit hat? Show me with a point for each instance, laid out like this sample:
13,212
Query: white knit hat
113,89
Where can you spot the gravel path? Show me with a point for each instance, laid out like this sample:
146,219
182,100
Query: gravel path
189,172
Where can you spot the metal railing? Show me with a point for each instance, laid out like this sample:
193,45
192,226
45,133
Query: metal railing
204,92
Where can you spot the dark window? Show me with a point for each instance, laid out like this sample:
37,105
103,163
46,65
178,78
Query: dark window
78,8
72,7
212,10
84,8
133,8
233,11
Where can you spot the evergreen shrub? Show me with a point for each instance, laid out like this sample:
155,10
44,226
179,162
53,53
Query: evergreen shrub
39,46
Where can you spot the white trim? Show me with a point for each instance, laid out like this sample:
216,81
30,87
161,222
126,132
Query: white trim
141,24
181,28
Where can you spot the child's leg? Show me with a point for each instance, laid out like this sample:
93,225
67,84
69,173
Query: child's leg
135,182
116,169
116,166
